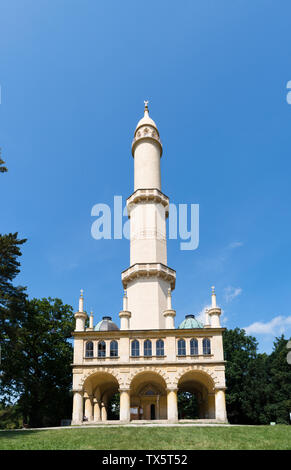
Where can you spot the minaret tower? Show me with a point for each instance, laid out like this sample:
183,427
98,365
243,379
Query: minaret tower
148,279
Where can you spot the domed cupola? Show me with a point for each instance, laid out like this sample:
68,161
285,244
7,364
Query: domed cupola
190,322
106,324
146,129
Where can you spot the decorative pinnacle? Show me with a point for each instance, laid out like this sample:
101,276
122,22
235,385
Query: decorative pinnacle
81,295
125,293
213,298
146,107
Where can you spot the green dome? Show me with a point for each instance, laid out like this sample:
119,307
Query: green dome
190,322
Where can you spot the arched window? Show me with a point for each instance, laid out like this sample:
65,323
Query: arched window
206,346
135,348
160,348
193,347
101,349
147,351
89,349
181,347
114,349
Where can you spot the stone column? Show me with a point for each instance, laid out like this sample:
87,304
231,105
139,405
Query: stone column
158,407
124,405
103,411
97,411
220,408
172,404
89,408
211,405
77,417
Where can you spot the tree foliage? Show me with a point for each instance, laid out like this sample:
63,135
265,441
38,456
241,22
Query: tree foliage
258,385
36,354
188,407
3,168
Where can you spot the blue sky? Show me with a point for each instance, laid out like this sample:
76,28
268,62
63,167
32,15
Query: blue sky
73,78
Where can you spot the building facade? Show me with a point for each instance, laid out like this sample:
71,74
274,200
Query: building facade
147,360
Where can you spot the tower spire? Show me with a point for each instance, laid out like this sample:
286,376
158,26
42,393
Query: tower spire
146,107
81,301
213,297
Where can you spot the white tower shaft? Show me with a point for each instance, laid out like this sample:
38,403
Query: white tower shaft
148,279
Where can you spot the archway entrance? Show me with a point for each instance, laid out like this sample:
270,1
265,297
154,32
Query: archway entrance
148,399
113,407
196,398
188,405
101,397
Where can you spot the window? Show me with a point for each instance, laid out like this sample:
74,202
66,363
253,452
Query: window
206,346
89,349
193,347
135,348
113,349
147,348
181,347
160,347
101,349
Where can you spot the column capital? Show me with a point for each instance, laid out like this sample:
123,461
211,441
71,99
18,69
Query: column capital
169,313
214,311
76,390
124,389
124,313
172,389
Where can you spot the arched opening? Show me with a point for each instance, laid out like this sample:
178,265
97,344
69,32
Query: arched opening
148,399
160,351
113,348
89,350
101,349
188,406
135,348
101,397
196,397
113,407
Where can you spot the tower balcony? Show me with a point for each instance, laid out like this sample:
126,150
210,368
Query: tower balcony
147,195
139,270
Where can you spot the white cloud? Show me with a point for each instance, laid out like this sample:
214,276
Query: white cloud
277,325
231,293
233,245
201,315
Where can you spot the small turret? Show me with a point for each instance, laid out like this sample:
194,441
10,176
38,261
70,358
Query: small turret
91,322
80,316
214,312
124,315
169,314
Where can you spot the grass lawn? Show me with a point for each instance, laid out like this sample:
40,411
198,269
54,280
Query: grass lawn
150,438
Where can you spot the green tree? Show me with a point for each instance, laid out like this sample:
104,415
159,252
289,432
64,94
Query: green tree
254,395
35,351
239,352
188,405
3,168
37,369
9,265
278,407
12,298
113,407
